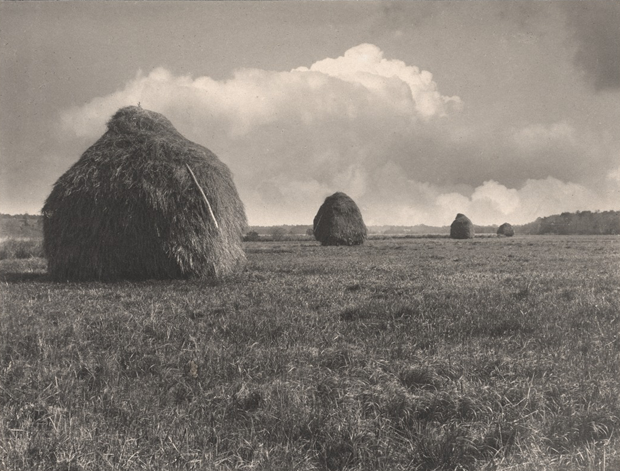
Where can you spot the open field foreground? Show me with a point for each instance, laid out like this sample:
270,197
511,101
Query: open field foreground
404,354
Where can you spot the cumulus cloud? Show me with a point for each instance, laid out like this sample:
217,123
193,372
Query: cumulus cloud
359,84
488,204
389,79
376,128
494,203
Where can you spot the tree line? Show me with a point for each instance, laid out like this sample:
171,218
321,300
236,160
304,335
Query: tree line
579,223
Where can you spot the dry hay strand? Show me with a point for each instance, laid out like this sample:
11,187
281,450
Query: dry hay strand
339,222
130,208
462,228
505,230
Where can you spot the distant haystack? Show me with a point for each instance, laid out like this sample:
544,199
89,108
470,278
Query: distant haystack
339,222
144,202
462,228
505,230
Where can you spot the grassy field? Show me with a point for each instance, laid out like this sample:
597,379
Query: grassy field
403,354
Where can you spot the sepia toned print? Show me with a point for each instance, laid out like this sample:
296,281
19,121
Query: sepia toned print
309,235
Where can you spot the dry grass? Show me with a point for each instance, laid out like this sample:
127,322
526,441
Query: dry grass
130,209
20,248
462,228
402,354
506,230
339,222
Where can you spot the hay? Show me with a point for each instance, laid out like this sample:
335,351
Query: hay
505,230
129,207
462,228
339,222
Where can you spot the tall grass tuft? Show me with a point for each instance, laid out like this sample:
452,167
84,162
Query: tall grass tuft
21,249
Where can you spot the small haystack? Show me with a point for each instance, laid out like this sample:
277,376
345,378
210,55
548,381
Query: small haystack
339,222
505,230
144,202
462,228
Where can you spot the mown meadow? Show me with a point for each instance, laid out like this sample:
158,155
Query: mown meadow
402,354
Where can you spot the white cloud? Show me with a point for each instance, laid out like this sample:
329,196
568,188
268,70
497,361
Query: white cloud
375,128
361,84
488,204
392,80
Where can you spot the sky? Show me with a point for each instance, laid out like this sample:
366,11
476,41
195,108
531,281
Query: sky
502,110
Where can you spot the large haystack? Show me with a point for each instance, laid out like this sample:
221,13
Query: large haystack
339,222
462,228
505,230
133,207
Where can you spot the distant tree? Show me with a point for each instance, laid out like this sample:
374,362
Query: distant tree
251,236
297,229
309,232
581,222
277,233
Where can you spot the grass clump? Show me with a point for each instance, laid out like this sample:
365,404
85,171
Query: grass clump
21,249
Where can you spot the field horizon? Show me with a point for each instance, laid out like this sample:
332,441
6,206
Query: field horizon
404,353
25,226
